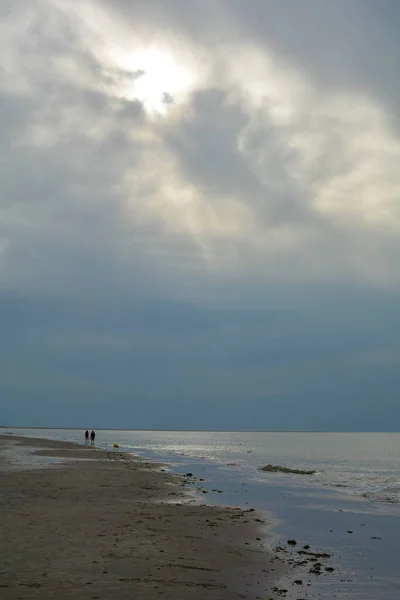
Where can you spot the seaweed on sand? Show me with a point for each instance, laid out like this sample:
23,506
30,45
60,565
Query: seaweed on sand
280,469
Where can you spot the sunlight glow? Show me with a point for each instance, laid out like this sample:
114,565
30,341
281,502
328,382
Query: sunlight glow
159,79
160,75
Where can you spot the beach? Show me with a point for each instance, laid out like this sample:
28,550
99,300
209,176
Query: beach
80,522
156,517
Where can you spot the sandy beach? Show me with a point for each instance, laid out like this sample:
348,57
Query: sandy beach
102,525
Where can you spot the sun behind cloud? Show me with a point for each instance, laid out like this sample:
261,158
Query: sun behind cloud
159,73
163,79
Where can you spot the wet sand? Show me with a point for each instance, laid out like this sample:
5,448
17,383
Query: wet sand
102,526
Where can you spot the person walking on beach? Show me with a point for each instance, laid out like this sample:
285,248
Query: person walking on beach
92,436
86,437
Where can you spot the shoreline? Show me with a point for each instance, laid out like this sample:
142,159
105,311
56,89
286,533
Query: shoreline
101,524
361,563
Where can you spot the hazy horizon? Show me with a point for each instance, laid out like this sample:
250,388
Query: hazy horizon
195,430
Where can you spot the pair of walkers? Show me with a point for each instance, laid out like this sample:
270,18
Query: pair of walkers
92,437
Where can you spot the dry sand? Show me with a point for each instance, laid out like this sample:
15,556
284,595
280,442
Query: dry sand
113,527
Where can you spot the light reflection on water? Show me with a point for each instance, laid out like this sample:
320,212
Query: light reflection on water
365,464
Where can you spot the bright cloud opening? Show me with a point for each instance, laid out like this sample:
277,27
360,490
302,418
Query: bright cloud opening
160,79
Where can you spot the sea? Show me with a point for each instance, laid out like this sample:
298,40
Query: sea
349,506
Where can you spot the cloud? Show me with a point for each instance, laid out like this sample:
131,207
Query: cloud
199,156
254,162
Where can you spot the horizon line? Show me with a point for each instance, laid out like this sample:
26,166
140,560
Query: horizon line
199,430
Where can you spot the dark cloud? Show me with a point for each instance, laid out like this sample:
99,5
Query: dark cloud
167,98
206,142
282,362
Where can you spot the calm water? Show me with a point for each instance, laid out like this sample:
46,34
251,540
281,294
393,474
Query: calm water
356,489
359,464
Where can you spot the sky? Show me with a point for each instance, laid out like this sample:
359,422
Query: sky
200,214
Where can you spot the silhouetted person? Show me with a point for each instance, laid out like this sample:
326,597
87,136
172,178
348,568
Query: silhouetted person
86,437
92,436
